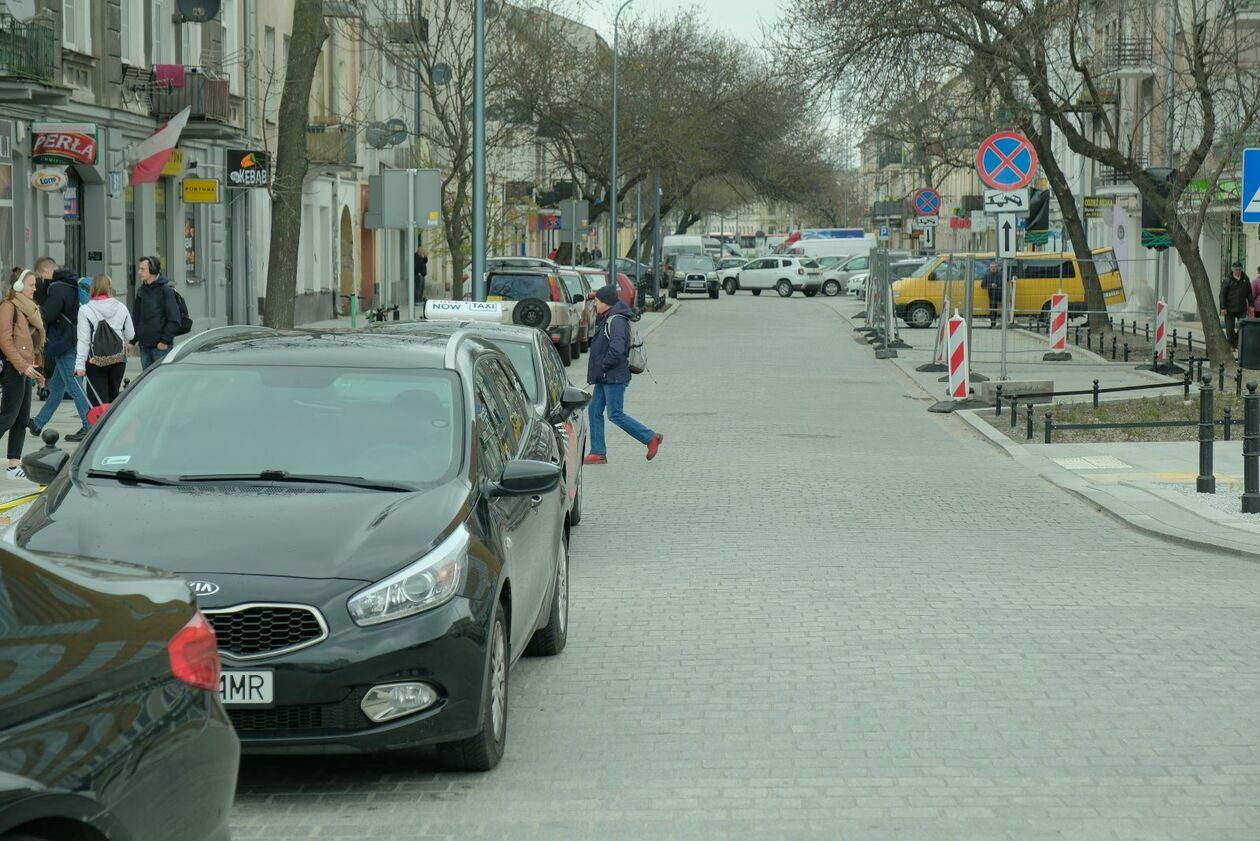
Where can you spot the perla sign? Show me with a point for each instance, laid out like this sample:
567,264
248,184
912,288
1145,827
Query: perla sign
49,179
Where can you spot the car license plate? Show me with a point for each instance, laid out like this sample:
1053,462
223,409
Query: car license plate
240,687
494,297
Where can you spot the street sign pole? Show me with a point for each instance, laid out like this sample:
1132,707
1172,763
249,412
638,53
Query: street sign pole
409,266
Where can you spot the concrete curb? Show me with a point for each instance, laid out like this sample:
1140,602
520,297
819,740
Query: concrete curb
649,329
1160,524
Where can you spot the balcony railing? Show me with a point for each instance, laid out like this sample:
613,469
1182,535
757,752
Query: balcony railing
337,145
207,97
1112,177
28,50
1128,57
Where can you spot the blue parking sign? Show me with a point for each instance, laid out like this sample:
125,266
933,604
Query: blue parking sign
1251,185
883,232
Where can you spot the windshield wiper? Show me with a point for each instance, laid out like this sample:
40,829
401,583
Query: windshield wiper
300,478
130,477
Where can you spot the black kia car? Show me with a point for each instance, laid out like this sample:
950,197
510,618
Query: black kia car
110,723
371,523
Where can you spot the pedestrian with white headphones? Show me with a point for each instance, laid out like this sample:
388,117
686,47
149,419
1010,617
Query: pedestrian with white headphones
22,335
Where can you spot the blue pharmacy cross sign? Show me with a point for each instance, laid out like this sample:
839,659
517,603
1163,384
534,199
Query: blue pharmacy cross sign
927,202
1006,161
1251,185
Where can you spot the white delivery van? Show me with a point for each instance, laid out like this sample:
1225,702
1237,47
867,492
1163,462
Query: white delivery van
832,247
682,244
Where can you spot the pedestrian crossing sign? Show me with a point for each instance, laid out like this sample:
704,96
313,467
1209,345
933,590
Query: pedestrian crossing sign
1251,185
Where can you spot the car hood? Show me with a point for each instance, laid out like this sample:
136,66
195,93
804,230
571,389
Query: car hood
251,529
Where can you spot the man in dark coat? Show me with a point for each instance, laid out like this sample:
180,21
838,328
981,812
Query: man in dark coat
608,370
157,313
992,283
60,312
1236,301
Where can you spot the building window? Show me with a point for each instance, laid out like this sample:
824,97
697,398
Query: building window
190,44
232,45
161,48
133,32
271,84
76,25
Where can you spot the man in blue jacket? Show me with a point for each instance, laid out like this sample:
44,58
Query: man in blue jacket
608,370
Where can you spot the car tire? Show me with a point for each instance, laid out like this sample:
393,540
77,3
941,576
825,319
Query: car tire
532,312
832,288
784,288
575,349
566,354
549,640
673,291
809,293
731,286
585,345
920,315
482,751
756,292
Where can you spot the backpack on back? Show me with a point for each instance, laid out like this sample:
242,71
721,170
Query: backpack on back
185,321
636,357
105,347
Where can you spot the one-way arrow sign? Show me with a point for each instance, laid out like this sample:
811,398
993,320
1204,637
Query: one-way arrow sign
1007,235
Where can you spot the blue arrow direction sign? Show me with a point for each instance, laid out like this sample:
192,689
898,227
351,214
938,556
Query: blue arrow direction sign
1251,185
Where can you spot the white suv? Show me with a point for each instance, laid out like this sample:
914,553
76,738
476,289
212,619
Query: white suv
784,275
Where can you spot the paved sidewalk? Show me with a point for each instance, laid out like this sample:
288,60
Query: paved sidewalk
1149,486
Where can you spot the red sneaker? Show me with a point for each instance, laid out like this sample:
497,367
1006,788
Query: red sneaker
595,458
654,445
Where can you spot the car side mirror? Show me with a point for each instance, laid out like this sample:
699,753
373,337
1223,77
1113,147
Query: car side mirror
572,401
43,465
525,477
932,276
577,298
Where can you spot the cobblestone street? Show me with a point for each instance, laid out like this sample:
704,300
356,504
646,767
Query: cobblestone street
824,613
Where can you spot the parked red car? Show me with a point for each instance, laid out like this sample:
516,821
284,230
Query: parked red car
625,286
579,286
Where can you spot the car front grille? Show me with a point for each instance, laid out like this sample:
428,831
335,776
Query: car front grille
692,277
260,630
344,715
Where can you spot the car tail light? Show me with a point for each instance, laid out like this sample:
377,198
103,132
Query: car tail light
555,289
194,654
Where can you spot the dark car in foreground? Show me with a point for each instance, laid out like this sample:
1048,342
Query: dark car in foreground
373,525
110,722
693,273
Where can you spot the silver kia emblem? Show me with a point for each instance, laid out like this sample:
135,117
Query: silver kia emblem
203,588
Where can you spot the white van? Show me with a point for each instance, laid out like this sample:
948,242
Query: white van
682,244
832,247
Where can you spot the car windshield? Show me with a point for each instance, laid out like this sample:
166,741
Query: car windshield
396,426
908,268
521,354
518,287
693,262
810,264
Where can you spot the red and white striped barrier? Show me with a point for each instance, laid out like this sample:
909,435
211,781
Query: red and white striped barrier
1161,331
1058,322
959,371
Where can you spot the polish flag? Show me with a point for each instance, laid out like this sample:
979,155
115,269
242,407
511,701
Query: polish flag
151,154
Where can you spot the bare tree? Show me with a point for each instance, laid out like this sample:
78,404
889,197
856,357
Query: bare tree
309,34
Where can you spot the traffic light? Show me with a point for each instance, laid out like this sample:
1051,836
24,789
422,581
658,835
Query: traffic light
1037,225
1154,228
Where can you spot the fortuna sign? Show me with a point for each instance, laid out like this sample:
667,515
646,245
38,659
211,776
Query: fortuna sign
64,143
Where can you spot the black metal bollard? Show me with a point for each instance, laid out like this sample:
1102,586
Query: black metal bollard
1190,342
1014,413
1148,331
1122,327
1089,339
999,400
1205,483
1174,337
1076,335
1185,385
1220,378
1095,394
1251,451
1238,382
1030,422
1126,351
1226,418
1049,427
1113,348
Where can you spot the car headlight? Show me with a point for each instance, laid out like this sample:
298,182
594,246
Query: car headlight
712,276
429,582
679,275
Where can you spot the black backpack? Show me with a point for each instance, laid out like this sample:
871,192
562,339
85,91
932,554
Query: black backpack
106,346
185,321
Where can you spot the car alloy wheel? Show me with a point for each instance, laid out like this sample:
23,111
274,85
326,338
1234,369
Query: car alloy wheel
920,315
730,286
831,288
784,288
562,589
549,640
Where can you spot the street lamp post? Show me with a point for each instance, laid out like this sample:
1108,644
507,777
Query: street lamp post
612,181
478,270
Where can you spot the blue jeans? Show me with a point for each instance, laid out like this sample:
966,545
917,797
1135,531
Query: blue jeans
63,380
151,356
614,397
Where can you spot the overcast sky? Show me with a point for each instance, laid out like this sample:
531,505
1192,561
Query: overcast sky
742,19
